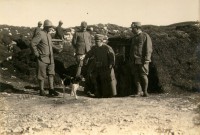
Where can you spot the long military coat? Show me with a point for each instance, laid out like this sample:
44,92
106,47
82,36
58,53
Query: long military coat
103,75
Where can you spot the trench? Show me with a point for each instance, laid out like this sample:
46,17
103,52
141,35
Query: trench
125,80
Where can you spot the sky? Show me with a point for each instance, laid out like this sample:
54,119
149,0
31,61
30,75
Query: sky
119,12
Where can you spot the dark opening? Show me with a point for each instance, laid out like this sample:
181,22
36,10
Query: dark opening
125,81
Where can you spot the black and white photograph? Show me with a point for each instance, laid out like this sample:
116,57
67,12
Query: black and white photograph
100,67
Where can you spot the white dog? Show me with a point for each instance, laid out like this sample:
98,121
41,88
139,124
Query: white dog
73,82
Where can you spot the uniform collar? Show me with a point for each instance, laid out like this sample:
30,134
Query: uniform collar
139,32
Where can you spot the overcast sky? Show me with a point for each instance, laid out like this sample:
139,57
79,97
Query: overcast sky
120,12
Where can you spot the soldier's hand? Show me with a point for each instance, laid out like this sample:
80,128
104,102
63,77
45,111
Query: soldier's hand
82,57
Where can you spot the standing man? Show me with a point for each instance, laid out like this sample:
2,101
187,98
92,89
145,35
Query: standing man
42,48
37,29
103,73
82,42
140,56
59,31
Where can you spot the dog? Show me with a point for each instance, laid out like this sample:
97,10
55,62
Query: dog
73,83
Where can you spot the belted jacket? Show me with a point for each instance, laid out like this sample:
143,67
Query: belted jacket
42,47
82,42
36,30
59,33
104,56
141,48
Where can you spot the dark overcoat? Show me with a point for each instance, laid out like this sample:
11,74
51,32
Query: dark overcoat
103,72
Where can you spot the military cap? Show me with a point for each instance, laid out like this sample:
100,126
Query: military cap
47,23
60,22
135,24
99,37
84,24
39,23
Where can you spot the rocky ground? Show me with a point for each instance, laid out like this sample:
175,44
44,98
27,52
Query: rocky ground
23,111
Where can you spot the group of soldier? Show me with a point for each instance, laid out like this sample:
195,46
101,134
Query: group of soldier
99,59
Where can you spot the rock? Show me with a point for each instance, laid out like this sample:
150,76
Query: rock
43,125
36,129
184,109
67,129
29,130
39,120
18,130
103,130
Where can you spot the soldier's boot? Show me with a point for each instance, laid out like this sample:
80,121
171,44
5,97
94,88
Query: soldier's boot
41,85
138,89
96,91
144,80
52,92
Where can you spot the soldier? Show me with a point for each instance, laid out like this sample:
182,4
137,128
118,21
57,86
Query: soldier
140,56
37,29
42,48
59,31
82,42
103,73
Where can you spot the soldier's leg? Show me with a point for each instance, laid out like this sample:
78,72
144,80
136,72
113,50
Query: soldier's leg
138,84
41,86
144,81
51,82
52,92
97,87
78,73
80,64
89,85
41,74
137,79
51,73
90,76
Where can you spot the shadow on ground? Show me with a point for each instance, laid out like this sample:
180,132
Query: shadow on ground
11,89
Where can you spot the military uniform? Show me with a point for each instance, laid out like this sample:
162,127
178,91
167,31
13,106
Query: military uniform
140,56
59,31
42,48
37,29
82,42
103,73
